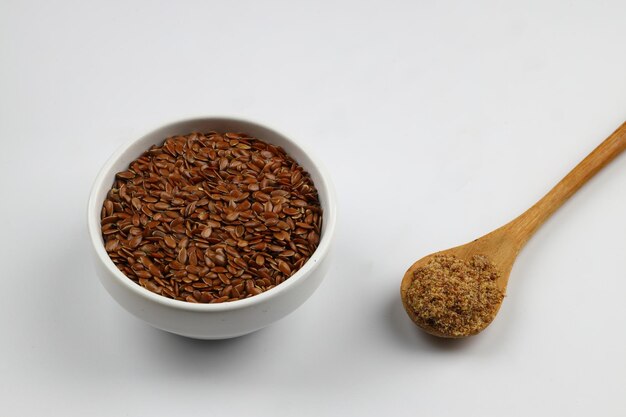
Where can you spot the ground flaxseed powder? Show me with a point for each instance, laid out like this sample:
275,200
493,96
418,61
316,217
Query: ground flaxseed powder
455,297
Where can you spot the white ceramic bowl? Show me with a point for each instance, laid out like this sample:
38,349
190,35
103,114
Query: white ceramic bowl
211,321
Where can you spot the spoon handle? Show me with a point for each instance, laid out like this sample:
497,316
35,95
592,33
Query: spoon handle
525,225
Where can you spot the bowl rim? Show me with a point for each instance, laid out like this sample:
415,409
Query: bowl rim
329,217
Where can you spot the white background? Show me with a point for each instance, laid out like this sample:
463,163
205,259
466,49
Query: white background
438,121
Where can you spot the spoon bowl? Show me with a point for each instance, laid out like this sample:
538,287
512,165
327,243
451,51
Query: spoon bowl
497,246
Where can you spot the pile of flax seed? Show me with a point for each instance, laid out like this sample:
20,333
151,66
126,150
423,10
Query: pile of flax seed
455,297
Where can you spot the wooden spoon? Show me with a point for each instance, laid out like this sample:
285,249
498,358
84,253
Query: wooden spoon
503,245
